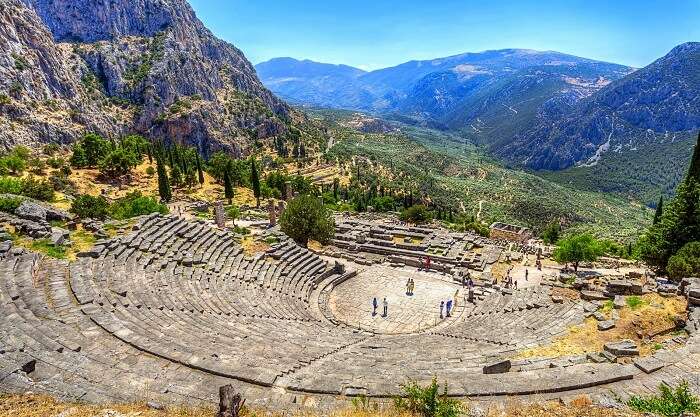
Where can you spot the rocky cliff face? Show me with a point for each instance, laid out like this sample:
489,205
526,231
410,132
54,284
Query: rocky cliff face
652,105
41,94
150,62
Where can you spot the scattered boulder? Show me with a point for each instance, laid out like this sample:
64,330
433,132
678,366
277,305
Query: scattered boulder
5,246
623,287
38,212
619,302
593,295
498,367
30,210
58,236
622,348
35,230
606,325
155,406
599,316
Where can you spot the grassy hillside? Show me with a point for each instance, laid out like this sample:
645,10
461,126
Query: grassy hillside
454,172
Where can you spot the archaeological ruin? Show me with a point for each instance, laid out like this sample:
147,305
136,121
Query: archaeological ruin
175,308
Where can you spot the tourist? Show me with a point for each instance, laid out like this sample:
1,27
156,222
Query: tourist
408,286
526,273
375,304
427,263
448,307
515,284
386,307
412,285
442,306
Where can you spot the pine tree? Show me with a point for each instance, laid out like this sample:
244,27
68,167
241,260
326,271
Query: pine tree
694,170
200,173
228,185
255,180
336,184
176,176
659,210
163,183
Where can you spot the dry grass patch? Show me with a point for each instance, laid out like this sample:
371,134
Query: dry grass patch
579,407
649,324
567,293
45,406
252,246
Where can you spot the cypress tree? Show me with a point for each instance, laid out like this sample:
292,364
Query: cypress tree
255,180
694,170
228,185
659,210
149,149
200,173
163,183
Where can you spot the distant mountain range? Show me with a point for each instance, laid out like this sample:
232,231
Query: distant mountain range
540,110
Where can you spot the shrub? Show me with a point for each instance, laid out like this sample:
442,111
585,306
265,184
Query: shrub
415,214
135,204
37,166
427,402
9,204
150,171
50,149
88,207
550,234
383,204
37,189
55,162
9,185
686,262
13,164
671,403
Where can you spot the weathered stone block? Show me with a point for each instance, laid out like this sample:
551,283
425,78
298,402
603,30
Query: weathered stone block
498,367
622,348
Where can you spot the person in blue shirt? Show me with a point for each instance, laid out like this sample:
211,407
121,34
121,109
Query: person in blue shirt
375,304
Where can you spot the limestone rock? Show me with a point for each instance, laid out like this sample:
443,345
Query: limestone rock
619,302
622,348
606,325
30,210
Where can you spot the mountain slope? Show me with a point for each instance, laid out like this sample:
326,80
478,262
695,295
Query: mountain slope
489,94
312,83
652,105
152,62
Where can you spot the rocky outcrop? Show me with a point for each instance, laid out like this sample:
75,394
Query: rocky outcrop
41,94
148,66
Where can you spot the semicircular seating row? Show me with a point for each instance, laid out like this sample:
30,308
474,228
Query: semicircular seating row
176,307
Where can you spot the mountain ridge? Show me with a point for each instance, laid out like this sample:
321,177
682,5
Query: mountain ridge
145,66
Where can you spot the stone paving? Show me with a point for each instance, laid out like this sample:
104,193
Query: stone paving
351,301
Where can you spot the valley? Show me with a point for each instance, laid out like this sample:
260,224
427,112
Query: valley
505,233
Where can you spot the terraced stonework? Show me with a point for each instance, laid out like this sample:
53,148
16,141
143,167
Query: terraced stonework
175,309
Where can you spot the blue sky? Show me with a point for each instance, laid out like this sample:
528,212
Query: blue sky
377,34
